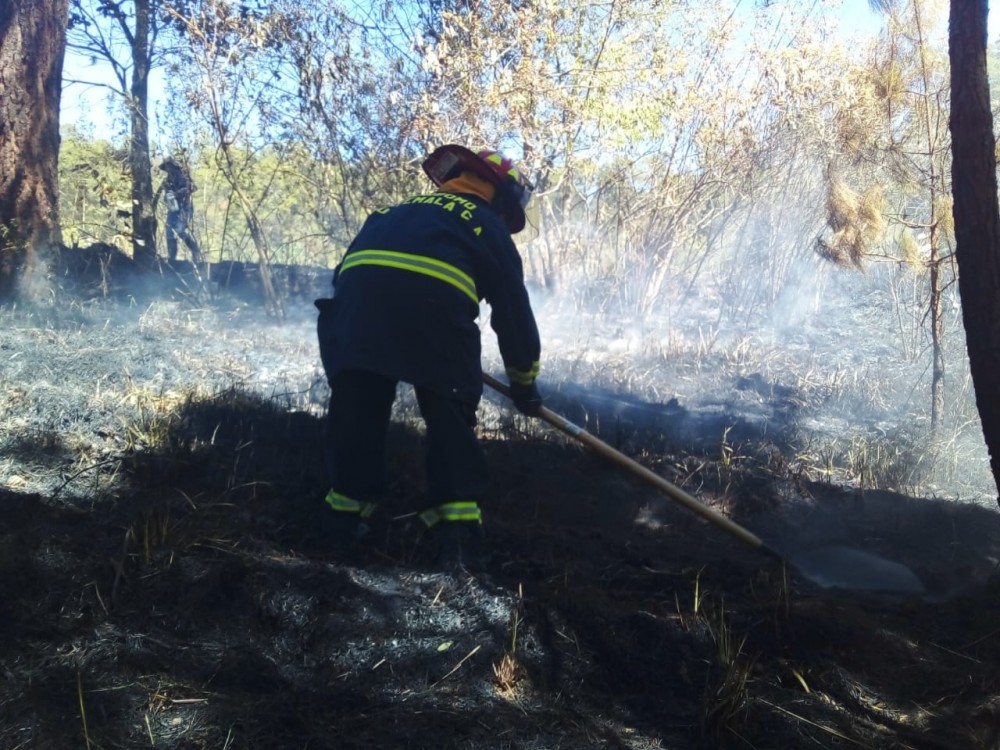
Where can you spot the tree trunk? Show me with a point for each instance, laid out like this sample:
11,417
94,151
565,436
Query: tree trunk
937,329
977,215
143,218
934,262
32,43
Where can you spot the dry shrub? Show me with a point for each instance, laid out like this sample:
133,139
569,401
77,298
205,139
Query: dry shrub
908,249
856,220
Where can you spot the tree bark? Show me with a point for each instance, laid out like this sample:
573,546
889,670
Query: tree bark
143,217
32,44
135,21
937,330
977,215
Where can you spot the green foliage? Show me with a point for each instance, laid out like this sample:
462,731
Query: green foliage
290,192
93,191
668,139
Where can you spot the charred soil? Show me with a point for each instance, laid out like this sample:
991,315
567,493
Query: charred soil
169,579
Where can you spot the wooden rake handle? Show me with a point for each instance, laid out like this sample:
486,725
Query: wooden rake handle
673,491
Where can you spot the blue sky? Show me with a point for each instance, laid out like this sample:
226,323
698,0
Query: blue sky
87,106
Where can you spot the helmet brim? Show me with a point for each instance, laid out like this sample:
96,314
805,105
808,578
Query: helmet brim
444,159
442,162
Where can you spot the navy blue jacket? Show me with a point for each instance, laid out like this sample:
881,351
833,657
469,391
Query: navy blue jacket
406,297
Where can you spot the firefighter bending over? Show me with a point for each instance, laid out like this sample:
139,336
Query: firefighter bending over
406,298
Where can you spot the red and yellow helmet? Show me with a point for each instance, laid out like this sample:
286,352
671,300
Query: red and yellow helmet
448,161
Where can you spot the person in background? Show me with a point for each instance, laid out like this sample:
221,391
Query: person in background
404,308
177,188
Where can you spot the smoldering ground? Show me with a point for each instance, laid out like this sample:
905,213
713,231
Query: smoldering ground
168,579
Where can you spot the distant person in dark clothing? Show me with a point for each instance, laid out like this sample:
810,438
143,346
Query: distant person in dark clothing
177,189
404,308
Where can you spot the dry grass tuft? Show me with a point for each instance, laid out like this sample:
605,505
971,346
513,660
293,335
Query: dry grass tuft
865,461
509,672
726,701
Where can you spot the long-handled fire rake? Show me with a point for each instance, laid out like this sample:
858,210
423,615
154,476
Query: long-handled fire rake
829,567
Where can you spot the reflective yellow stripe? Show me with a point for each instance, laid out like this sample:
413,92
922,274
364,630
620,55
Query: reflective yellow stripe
461,511
523,378
345,504
496,159
418,263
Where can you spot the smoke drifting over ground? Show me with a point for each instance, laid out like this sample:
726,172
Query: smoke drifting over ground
832,377
834,372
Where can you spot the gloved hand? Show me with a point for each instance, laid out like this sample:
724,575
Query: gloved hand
526,398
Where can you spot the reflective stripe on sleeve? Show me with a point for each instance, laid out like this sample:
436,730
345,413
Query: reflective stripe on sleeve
461,511
345,504
523,378
418,263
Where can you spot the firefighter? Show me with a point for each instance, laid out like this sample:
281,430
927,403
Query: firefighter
404,307
177,188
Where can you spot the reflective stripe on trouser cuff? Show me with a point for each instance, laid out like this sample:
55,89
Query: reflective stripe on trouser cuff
465,511
433,267
523,378
345,504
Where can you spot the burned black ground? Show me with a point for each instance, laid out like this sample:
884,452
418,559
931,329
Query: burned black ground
168,580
